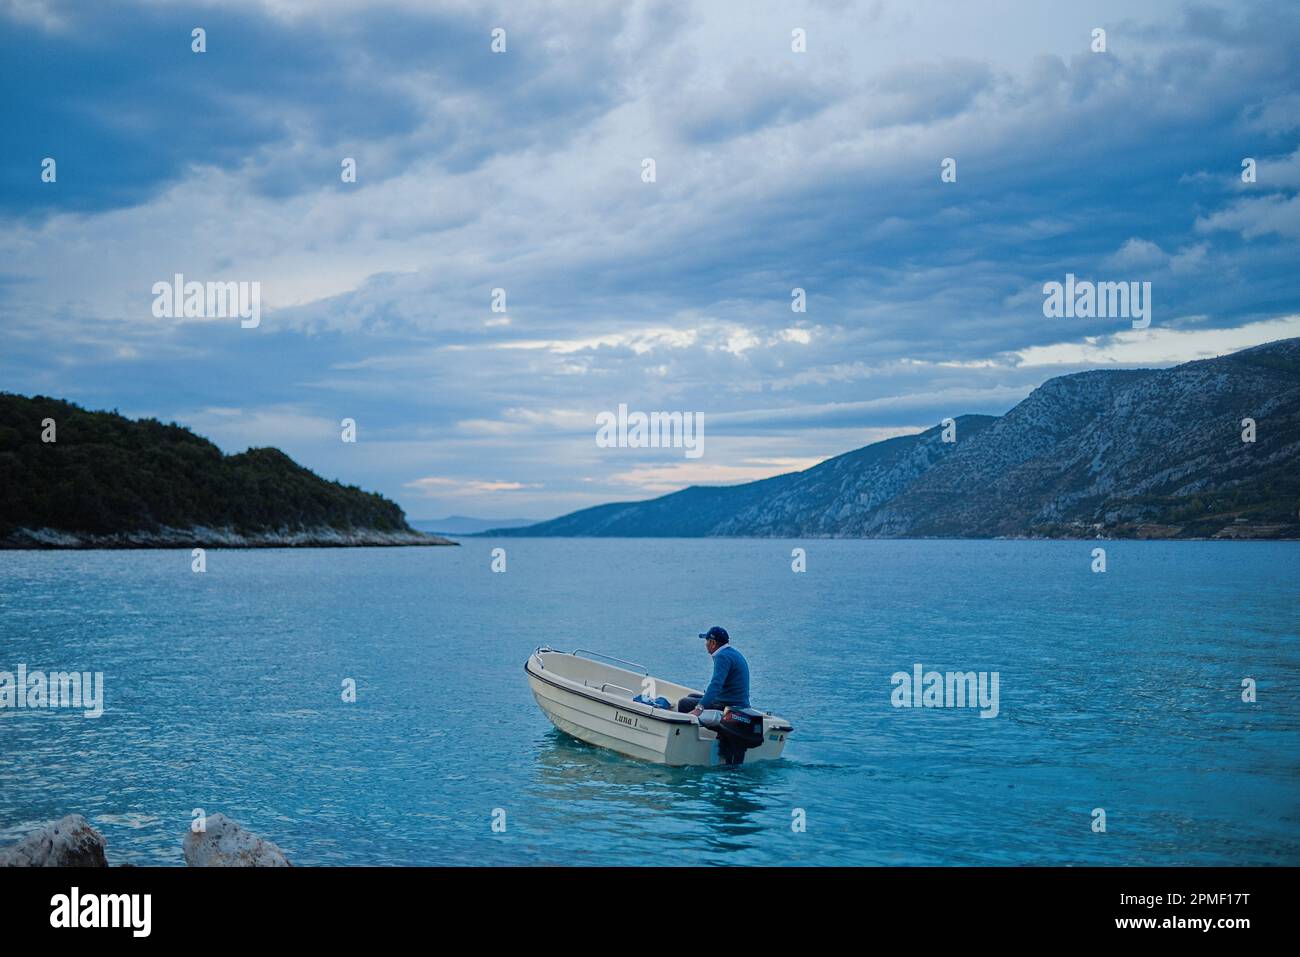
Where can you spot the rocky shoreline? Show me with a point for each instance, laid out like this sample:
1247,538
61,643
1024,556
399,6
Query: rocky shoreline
71,842
202,537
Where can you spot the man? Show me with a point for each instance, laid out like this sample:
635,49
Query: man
730,683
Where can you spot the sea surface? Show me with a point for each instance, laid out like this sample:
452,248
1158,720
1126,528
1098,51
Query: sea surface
1119,691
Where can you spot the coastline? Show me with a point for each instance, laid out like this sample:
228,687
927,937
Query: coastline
1260,533
48,539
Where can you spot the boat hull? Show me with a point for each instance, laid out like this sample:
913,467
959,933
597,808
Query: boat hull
590,713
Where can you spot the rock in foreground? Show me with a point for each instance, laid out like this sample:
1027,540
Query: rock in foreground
68,842
226,844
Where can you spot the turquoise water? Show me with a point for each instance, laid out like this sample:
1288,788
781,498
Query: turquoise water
1119,691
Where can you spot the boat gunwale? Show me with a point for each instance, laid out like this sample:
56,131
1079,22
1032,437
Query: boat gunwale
657,714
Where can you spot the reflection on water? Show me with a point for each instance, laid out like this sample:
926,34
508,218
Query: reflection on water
728,799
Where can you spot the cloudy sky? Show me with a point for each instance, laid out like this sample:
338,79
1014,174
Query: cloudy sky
522,171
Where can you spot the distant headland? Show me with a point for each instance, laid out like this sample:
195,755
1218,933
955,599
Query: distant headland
74,478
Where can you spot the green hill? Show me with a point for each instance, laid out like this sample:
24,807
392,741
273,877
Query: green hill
110,480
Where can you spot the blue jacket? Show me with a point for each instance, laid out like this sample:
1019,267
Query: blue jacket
730,683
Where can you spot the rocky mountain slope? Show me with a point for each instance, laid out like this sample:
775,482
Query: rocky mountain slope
1132,453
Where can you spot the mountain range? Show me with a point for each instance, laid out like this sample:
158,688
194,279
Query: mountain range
1145,453
466,524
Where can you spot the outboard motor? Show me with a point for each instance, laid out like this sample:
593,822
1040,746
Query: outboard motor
738,730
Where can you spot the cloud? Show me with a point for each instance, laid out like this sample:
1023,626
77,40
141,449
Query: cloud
437,485
1149,259
1256,217
1278,171
41,13
1275,114
521,171
660,479
1137,254
640,341
237,428
1190,259
1158,346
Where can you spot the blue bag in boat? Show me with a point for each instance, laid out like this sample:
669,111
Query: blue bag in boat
660,702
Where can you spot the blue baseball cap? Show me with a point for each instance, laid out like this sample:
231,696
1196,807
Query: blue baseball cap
717,634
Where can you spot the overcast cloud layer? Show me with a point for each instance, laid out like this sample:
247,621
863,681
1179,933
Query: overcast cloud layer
522,171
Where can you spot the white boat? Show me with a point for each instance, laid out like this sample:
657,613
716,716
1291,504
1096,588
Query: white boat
592,701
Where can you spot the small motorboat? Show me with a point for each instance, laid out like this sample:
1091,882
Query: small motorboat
595,701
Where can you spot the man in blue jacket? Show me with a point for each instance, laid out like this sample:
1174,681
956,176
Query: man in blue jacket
730,683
